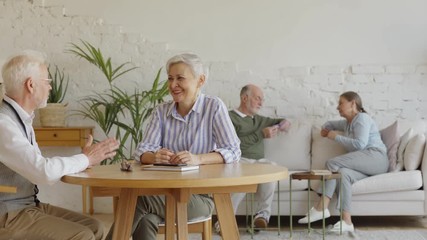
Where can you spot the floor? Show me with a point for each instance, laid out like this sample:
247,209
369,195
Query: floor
362,223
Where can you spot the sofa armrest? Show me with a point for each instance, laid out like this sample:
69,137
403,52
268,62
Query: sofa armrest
424,176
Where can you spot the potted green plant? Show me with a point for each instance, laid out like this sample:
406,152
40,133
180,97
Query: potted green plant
118,113
54,114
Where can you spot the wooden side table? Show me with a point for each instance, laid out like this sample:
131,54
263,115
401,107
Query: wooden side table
309,176
64,137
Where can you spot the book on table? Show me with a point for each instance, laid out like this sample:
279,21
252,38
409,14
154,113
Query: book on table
171,167
320,172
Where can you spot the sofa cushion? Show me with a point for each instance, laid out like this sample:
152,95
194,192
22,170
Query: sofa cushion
414,151
390,136
418,126
402,145
323,149
291,149
409,195
389,182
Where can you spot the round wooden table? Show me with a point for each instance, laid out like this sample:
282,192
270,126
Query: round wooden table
218,179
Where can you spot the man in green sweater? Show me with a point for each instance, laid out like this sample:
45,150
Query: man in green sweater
251,129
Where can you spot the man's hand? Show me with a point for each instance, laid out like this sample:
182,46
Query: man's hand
270,132
100,151
284,125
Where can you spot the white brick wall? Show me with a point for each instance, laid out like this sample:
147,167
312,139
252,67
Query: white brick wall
302,92
295,91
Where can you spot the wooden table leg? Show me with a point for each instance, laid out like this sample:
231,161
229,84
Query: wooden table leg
84,198
226,218
125,213
170,217
91,209
181,197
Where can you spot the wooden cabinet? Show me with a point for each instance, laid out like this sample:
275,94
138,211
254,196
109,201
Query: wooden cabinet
64,137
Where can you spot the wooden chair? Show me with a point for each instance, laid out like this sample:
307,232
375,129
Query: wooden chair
202,225
7,189
102,192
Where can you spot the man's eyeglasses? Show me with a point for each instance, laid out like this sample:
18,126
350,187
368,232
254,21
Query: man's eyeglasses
48,80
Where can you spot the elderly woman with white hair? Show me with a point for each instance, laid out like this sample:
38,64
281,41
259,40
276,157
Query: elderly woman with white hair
193,128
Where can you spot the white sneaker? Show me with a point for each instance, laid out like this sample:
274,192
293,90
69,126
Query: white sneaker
217,228
314,216
345,227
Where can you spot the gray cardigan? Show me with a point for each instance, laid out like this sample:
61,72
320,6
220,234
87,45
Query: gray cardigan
26,191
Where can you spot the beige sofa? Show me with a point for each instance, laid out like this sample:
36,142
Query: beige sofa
392,193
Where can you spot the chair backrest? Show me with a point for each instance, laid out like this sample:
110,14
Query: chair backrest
201,225
193,221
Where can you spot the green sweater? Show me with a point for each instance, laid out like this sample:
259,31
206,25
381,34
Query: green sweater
249,131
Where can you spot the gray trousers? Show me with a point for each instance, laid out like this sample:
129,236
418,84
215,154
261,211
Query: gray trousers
47,222
150,212
264,193
354,166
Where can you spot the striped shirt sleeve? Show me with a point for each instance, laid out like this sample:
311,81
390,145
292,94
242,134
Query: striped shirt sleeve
152,139
228,144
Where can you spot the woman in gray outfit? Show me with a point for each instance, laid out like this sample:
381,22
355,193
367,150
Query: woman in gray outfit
367,156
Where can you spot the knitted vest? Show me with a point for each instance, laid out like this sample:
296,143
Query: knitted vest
26,191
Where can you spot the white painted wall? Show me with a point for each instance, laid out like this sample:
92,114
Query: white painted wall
266,35
303,53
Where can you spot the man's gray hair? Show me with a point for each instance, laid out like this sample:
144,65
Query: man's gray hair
246,90
19,68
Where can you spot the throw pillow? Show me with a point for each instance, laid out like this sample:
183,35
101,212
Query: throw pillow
414,151
390,137
402,145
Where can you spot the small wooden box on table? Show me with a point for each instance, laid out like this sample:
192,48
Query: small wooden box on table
64,137
311,176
